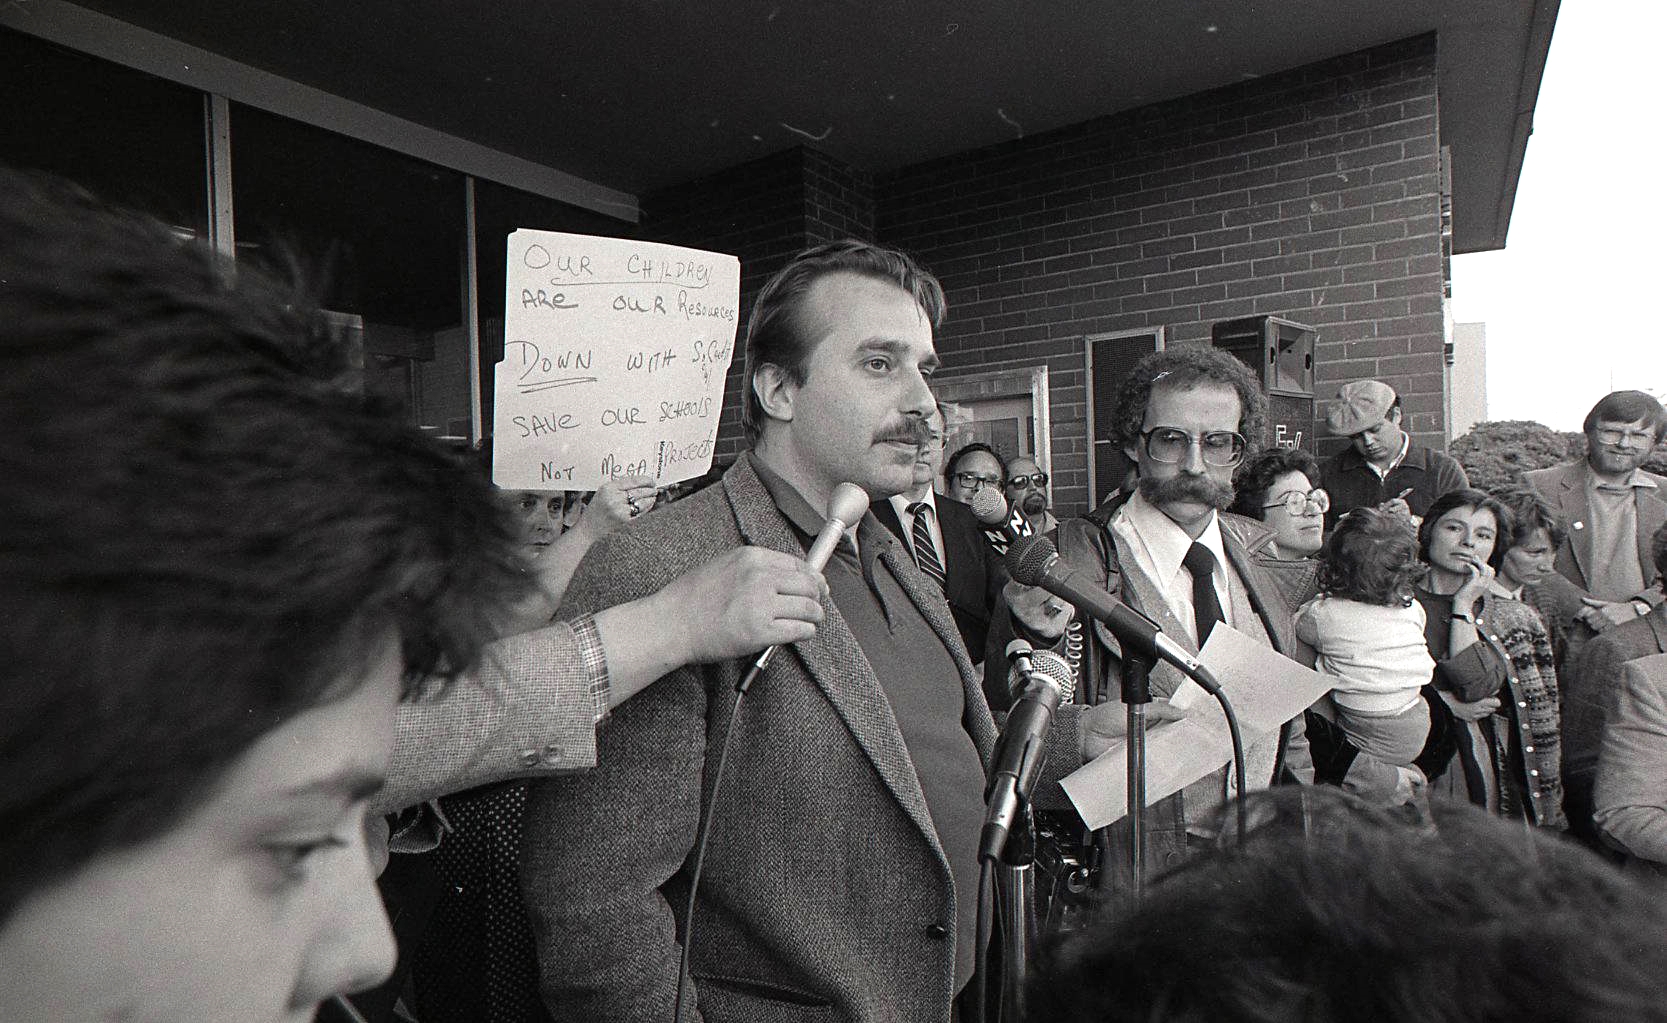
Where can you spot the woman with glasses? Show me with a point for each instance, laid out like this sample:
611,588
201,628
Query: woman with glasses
1280,487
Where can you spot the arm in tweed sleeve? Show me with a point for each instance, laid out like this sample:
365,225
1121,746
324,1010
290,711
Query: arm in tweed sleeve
599,848
1630,805
531,709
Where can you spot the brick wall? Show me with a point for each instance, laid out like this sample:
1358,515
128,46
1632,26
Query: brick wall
1311,194
764,212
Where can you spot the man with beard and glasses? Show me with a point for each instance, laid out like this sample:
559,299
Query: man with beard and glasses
1611,507
1027,490
841,875
1186,417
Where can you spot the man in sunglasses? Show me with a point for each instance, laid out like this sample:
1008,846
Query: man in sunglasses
1027,490
1186,417
1381,465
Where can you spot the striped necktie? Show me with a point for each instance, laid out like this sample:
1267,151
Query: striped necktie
926,556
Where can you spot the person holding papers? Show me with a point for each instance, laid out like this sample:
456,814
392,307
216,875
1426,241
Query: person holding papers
1186,417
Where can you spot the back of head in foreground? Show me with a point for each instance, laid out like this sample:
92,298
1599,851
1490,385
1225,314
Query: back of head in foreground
219,568
1365,917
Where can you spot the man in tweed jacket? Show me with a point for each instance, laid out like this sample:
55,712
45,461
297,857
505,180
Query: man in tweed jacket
840,880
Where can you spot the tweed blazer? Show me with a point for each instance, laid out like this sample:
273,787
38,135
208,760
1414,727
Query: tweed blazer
826,894
1564,488
1631,803
973,574
1589,692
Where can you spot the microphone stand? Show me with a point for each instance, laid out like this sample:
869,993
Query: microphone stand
1016,909
1137,693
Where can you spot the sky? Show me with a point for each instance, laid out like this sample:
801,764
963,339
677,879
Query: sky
1576,303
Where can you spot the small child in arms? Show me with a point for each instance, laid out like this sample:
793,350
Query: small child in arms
1369,632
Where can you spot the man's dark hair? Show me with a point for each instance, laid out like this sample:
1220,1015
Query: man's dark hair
1335,912
775,334
949,467
204,531
1469,497
1627,407
1256,475
1371,557
1184,367
1529,511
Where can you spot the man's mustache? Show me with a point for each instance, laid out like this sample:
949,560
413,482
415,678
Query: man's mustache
909,431
1186,487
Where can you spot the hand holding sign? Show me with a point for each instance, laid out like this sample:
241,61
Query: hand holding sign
615,354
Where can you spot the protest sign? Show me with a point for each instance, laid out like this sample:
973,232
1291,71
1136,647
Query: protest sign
615,354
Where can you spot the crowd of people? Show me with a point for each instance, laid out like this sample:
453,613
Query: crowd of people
265,642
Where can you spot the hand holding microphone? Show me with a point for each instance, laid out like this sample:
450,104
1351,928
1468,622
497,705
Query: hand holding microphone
846,507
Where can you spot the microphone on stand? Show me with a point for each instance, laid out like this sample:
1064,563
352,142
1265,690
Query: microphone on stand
1036,562
845,509
1046,681
1003,528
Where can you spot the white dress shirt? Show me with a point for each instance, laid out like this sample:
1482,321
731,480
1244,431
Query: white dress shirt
1158,545
900,504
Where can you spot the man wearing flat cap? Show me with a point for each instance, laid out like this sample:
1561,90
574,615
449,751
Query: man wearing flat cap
1381,464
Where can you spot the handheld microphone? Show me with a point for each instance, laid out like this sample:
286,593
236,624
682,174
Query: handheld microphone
1004,527
1035,562
1047,681
845,509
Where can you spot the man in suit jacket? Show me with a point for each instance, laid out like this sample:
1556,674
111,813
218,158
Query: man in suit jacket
841,875
1611,508
1588,691
947,543
1631,799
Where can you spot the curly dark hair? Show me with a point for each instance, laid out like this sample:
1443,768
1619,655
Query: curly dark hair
207,527
1256,475
1183,367
1371,557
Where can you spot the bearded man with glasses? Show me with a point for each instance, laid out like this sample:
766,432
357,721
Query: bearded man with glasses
1611,507
1027,490
1186,417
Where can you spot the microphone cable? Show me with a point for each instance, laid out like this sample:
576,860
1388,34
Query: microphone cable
845,509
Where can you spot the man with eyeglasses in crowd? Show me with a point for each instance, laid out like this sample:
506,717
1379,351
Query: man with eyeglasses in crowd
1186,417
1027,490
1381,467
1611,507
971,468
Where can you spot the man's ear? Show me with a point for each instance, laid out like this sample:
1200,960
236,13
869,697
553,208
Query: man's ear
1131,454
1394,415
775,391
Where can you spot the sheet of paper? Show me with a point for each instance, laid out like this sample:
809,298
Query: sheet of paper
615,353
1265,688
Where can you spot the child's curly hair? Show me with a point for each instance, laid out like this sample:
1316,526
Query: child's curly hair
1371,557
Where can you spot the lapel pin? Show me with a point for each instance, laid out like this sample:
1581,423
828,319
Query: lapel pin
1578,525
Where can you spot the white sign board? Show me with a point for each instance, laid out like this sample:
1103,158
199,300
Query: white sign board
615,353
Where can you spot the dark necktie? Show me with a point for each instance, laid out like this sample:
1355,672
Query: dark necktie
926,556
1206,606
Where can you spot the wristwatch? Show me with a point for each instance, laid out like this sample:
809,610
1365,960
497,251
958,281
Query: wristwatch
1642,607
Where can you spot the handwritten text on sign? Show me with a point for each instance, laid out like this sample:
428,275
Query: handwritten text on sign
615,353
